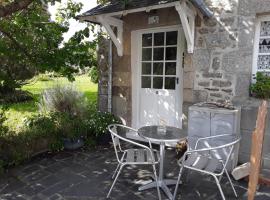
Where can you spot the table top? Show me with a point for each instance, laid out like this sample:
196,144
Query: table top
162,133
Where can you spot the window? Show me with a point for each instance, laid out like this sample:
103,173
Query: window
261,61
159,58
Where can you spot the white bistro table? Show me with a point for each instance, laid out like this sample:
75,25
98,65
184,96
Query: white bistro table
161,135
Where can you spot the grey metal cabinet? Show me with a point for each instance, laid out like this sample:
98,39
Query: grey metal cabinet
208,121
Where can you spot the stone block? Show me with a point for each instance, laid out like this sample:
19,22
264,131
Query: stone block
121,79
212,75
188,63
245,143
248,118
216,63
220,83
246,7
200,95
228,91
242,85
218,95
188,82
217,40
211,22
204,83
201,59
103,103
120,107
238,61
246,32
187,95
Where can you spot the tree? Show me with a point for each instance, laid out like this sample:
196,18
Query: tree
31,43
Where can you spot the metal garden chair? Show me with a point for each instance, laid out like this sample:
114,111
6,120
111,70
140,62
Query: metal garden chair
204,159
141,155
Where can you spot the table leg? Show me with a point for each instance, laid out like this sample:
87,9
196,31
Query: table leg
162,183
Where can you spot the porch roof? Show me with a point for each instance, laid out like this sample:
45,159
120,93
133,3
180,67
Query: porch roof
117,6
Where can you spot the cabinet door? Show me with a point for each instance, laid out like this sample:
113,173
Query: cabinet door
198,126
222,124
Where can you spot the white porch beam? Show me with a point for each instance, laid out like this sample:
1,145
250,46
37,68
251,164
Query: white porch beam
107,22
187,17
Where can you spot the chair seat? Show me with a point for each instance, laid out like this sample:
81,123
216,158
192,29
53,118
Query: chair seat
139,156
202,162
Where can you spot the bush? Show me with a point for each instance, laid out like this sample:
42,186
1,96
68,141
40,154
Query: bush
98,123
94,74
63,99
261,89
15,96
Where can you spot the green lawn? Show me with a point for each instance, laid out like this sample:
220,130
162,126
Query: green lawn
17,113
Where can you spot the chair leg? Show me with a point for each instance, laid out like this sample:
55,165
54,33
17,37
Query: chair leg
109,193
178,181
219,187
231,183
115,171
156,179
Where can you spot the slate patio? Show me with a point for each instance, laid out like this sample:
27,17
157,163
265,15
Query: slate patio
85,174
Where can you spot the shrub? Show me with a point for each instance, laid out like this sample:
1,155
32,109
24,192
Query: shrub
63,99
15,96
94,74
3,127
98,123
261,89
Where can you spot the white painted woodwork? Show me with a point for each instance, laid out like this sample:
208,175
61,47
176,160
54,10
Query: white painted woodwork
187,17
107,22
156,106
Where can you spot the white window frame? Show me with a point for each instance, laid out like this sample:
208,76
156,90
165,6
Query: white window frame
256,45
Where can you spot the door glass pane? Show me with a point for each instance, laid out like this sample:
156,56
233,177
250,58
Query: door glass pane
147,54
170,68
171,38
159,39
264,46
171,53
158,53
157,82
263,62
146,68
265,28
170,83
158,69
146,81
147,40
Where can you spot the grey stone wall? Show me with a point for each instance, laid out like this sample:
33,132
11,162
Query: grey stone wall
222,60
102,58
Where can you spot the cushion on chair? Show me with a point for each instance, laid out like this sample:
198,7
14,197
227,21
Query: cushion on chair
202,162
139,156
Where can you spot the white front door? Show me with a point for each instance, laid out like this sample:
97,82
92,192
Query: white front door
158,77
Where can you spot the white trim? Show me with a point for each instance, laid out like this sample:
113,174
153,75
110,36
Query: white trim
258,21
135,62
107,22
187,17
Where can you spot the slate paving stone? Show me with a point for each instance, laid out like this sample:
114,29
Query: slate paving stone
86,175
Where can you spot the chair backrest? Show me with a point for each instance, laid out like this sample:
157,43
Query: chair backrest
224,149
117,138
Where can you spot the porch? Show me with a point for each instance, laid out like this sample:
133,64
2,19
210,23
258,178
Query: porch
86,174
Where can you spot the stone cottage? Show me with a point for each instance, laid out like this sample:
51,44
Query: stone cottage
167,55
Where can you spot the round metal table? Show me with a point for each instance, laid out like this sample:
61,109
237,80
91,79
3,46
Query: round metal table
161,135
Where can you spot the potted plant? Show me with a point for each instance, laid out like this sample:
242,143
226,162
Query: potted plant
70,108
98,124
72,131
261,89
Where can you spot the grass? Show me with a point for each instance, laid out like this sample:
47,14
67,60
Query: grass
18,113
